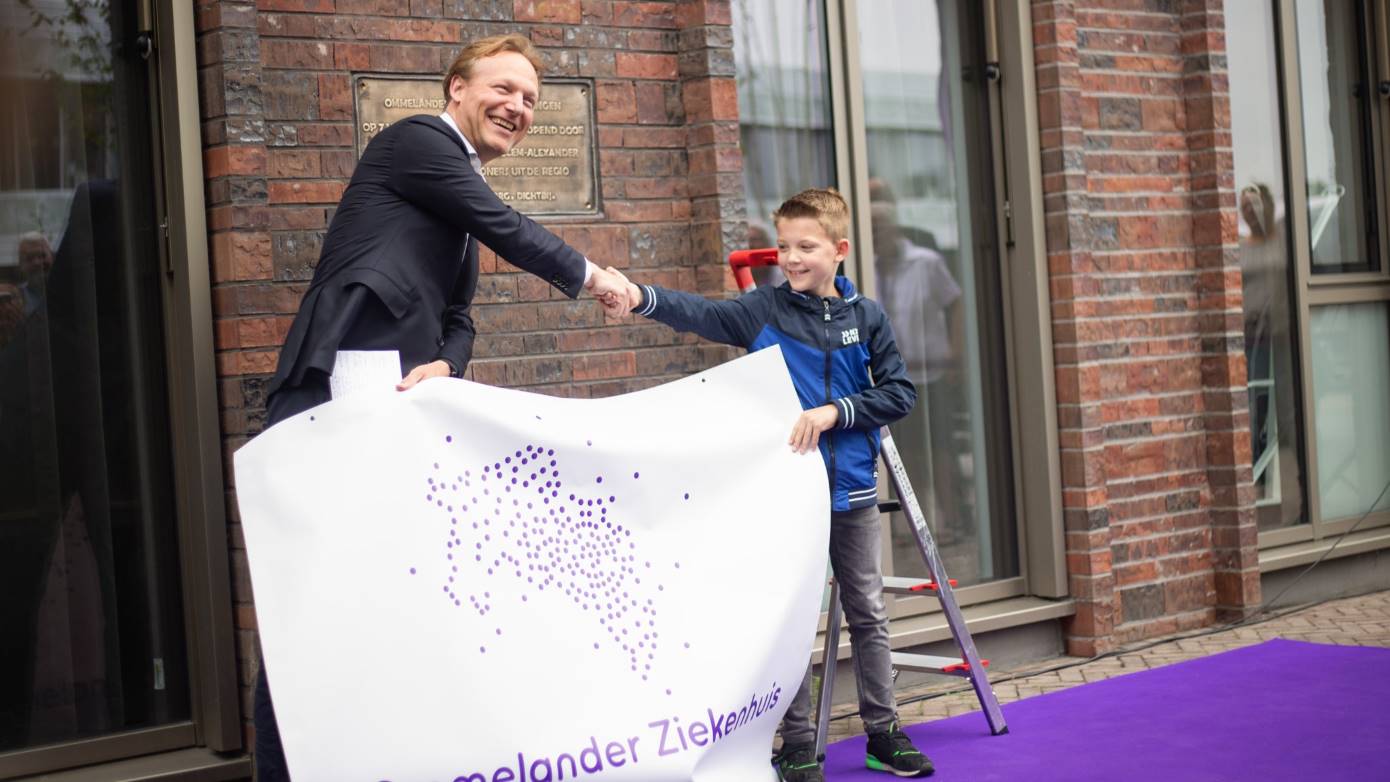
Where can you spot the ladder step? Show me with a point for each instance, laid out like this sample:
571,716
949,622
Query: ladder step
895,585
926,663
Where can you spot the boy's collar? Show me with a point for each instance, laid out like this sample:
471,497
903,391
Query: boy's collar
843,286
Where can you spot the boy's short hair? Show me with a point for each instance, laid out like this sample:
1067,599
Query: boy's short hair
487,47
825,205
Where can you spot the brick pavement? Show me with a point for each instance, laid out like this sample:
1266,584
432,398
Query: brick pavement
1353,621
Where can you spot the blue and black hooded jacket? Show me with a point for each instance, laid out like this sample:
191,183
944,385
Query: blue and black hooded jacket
839,351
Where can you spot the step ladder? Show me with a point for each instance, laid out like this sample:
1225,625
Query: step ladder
969,665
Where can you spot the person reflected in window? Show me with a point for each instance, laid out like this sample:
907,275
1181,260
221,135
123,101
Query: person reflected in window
35,261
923,303
1268,352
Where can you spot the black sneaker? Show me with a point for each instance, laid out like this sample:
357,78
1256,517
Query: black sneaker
893,752
798,764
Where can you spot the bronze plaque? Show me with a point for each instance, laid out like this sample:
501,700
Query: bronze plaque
382,100
553,171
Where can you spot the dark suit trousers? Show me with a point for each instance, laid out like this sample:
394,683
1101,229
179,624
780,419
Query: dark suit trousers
287,401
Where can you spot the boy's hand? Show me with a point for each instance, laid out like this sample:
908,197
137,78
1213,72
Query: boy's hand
806,433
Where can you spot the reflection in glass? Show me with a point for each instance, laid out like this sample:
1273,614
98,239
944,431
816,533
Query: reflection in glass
784,109
92,634
1336,125
923,119
1351,389
1257,142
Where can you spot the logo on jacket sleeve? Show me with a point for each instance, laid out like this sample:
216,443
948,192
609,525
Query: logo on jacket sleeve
849,337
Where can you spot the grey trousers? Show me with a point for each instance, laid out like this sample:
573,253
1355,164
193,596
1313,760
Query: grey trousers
855,561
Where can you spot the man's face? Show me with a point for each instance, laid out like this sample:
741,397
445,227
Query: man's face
883,218
494,106
35,258
808,256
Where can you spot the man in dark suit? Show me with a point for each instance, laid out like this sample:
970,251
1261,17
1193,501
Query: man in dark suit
389,276
400,262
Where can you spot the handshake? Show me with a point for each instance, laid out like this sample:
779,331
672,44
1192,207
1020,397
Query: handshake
614,291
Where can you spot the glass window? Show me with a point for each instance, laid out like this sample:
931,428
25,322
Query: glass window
1337,95
93,636
930,209
785,124
1270,334
1351,391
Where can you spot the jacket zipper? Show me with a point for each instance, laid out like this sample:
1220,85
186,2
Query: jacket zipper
830,438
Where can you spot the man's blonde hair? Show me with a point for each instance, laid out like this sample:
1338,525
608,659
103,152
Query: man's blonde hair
487,47
826,206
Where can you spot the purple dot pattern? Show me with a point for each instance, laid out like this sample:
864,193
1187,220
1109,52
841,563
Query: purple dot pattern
515,524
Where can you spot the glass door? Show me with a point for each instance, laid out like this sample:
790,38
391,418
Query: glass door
935,267
94,641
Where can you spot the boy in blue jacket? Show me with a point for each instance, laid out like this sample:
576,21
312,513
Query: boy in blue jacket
851,380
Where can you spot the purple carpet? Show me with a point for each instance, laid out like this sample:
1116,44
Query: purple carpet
1282,710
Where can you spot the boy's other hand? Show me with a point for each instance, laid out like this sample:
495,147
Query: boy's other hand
806,433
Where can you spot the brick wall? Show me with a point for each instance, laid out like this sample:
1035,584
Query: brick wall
277,113
1141,241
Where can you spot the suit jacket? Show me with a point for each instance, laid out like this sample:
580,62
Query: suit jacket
398,270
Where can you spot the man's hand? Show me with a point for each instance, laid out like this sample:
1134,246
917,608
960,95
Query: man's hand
438,368
613,291
633,294
806,433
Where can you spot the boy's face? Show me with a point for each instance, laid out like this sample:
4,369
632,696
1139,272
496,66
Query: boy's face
808,256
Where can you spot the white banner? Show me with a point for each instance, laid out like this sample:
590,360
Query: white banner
470,584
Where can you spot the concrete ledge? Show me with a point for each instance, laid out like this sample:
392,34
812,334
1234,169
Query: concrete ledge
1307,552
185,765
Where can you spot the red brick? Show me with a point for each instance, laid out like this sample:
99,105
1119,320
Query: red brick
352,56
296,54
644,14
325,135
240,256
604,365
697,13
562,11
286,26
637,65
235,160
335,97
307,6
306,192
617,102
297,163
